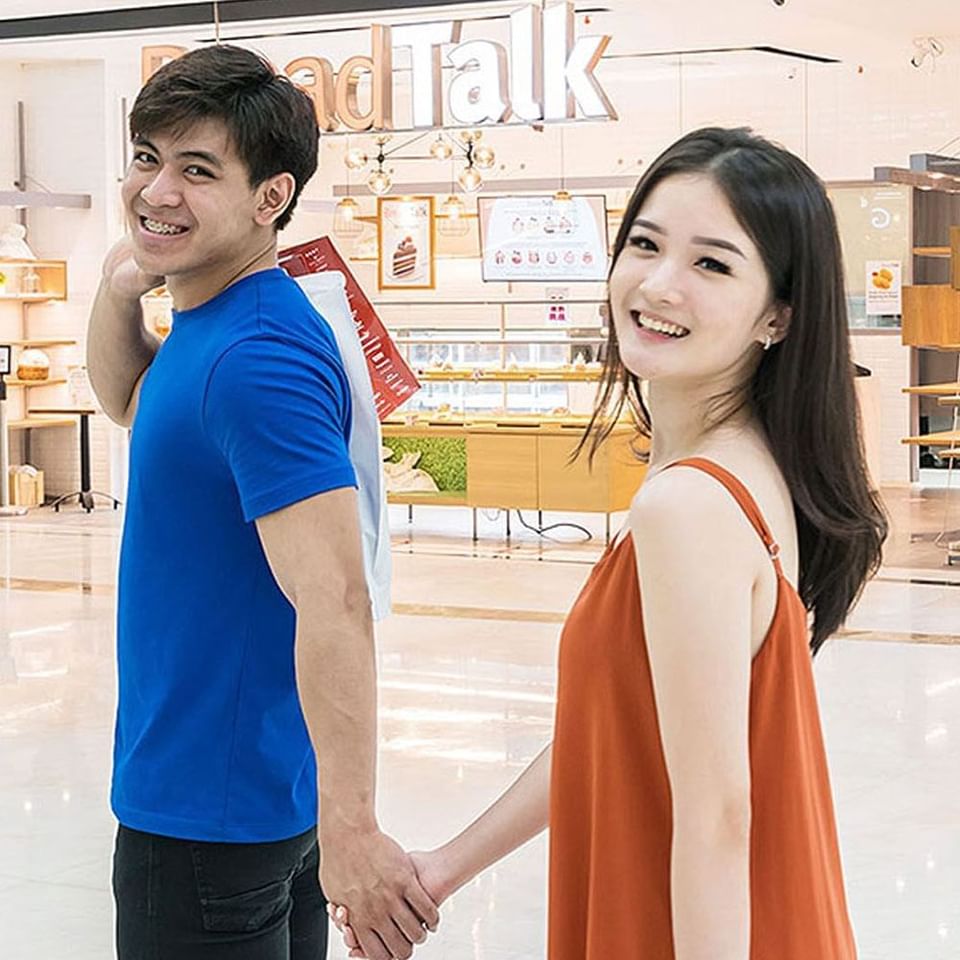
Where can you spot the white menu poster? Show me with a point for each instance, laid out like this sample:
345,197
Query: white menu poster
884,288
542,238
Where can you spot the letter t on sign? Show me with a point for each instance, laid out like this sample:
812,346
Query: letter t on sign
424,41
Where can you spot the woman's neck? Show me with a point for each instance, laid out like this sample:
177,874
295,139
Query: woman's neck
684,421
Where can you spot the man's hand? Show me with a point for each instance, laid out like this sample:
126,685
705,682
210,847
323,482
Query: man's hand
122,275
377,883
436,878
119,348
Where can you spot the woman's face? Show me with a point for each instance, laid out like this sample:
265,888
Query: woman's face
690,294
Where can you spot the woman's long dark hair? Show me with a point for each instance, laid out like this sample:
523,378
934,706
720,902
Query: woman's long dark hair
802,392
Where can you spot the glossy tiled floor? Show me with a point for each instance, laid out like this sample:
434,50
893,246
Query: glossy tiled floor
467,684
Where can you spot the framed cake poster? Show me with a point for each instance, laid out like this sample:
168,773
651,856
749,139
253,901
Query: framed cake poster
405,228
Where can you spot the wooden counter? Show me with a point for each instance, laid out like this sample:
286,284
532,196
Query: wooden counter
523,464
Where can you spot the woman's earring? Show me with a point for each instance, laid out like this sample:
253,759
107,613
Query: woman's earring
768,343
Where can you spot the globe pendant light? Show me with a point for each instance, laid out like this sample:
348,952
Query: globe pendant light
470,179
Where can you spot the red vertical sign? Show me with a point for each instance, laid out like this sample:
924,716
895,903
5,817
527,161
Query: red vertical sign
393,381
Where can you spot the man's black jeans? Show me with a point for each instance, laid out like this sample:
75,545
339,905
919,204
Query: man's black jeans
182,900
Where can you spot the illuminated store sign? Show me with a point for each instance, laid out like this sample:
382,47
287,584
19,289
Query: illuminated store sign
550,74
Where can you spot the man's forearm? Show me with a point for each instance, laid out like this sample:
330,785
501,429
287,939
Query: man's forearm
337,682
119,350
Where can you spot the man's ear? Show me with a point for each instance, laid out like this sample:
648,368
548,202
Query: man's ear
273,197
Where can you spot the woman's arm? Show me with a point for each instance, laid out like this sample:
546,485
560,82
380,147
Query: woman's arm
697,558
518,816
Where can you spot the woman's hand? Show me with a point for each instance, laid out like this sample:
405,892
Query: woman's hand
434,871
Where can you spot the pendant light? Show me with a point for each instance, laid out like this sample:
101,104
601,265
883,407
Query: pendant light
562,198
346,216
440,149
380,181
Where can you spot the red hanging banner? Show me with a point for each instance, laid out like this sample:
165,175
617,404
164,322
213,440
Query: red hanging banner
393,381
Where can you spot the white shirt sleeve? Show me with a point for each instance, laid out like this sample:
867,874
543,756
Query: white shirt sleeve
327,293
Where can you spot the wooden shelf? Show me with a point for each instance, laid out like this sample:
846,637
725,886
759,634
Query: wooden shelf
41,198
51,280
946,438
932,252
934,389
949,401
39,423
6,262
35,383
510,376
40,343
429,499
29,297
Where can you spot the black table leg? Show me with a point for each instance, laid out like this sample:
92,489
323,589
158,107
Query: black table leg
85,495
85,483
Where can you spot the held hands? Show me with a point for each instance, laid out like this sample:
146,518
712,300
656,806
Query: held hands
376,885
434,877
123,277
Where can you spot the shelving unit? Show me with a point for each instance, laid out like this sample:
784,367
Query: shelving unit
50,278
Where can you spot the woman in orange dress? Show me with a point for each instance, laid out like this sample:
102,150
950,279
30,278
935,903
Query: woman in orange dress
686,789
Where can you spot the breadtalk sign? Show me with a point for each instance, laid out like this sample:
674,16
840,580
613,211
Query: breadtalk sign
550,77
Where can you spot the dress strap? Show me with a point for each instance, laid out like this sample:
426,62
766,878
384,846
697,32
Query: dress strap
743,497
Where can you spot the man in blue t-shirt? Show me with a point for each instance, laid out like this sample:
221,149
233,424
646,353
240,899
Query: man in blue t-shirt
246,725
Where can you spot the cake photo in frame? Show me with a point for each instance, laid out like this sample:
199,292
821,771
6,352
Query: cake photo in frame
405,230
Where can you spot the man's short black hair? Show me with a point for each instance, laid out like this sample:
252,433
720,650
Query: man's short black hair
272,123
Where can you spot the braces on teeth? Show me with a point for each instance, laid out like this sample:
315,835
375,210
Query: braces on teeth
154,226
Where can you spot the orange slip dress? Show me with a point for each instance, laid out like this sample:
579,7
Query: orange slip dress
610,807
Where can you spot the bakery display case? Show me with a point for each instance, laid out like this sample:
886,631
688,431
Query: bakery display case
507,357
506,396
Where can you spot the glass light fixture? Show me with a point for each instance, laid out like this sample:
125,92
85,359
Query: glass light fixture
453,207
380,182
484,157
355,159
470,179
345,218
440,149
452,221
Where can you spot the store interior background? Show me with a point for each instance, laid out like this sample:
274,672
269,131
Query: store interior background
843,94
870,108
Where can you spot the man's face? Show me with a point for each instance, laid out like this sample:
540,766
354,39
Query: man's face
189,204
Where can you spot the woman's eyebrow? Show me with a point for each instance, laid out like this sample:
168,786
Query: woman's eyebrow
722,244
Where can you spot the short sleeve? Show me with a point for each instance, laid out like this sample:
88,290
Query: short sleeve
279,413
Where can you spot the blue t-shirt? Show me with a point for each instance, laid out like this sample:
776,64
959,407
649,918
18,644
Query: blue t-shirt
245,410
